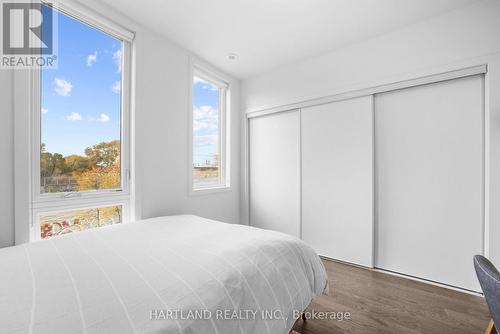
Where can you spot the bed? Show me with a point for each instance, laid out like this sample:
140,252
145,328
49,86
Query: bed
175,274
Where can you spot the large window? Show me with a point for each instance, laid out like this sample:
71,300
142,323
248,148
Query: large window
209,128
81,172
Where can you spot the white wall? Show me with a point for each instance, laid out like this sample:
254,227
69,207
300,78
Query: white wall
161,135
7,164
462,38
444,40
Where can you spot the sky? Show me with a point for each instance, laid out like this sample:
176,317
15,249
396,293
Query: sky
205,121
80,99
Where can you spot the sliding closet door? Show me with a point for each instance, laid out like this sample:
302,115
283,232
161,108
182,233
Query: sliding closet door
337,179
429,180
275,172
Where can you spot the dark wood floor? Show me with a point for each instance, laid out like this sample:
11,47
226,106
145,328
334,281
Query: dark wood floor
383,303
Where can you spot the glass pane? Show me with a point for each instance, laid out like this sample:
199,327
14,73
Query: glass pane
206,135
59,223
81,112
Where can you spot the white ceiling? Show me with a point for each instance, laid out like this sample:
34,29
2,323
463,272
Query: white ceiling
269,33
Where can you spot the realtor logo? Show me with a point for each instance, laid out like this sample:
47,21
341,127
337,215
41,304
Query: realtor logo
27,35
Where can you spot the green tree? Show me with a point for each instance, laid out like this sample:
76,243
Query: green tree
52,164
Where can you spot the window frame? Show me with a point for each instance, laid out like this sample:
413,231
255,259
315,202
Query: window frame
204,72
40,203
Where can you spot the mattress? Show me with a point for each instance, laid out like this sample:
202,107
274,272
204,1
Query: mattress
175,274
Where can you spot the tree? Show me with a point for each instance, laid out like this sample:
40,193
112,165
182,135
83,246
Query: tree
52,164
99,169
103,154
100,177
77,164
110,179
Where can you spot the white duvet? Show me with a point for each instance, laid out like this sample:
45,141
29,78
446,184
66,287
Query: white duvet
178,274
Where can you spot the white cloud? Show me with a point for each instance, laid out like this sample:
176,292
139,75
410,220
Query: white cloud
117,57
116,87
103,118
205,117
74,116
206,84
209,140
198,80
91,59
45,110
197,125
63,87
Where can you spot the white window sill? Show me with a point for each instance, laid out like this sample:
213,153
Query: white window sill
209,191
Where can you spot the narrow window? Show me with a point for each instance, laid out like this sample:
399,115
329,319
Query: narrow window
209,151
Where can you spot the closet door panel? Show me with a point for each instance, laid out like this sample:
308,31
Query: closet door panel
429,180
275,172
337,179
